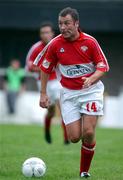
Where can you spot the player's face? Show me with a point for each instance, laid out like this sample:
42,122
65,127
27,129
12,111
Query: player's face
46,34
68,27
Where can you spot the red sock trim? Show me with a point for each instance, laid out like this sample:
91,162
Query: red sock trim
89,146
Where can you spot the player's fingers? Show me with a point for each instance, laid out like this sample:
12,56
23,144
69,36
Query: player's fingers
86,84
43,103
47,104
83,78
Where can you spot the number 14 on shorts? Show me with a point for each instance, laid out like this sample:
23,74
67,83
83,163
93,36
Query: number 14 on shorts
91,106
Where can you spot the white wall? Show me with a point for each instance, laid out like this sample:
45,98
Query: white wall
113,112
28,110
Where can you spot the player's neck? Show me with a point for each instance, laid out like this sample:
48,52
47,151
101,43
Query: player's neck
74,37
44,43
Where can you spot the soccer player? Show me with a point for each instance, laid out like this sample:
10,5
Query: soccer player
46,34
81,63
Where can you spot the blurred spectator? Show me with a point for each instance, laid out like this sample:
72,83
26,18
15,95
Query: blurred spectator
14,83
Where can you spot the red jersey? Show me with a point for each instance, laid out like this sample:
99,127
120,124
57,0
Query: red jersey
33,53
74,60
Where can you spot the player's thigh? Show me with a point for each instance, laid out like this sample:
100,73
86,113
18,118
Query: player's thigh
74,130
89,125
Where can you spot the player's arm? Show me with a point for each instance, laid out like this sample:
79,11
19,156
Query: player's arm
100,62
47,65
44,100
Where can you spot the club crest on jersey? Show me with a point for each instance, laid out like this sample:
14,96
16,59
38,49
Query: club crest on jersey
45,63
62,50
101,65
84,48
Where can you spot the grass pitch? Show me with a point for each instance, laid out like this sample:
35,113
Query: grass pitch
18,143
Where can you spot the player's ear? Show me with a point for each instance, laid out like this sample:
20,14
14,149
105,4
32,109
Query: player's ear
77,24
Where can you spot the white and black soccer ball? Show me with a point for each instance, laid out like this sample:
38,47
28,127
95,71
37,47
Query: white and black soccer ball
33,167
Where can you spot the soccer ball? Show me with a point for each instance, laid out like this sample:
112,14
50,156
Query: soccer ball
33,167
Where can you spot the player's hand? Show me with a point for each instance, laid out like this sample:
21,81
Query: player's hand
44,101
87,82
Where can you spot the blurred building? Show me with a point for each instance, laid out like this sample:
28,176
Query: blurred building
20,21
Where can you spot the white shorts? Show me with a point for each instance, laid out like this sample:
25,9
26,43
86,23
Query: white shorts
74,103
53,90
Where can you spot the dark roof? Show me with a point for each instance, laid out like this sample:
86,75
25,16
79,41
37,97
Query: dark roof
95,15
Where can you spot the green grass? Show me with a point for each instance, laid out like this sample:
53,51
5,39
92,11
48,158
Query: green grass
18,143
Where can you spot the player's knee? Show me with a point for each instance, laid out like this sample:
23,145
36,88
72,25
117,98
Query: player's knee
89,134
75,138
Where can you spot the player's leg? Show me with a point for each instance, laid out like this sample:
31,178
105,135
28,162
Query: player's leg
88,143
74,131
51,110
66,140
71,115
91,107
48,117
47,123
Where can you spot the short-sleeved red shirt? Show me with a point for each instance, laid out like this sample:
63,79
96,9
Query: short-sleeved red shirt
74,60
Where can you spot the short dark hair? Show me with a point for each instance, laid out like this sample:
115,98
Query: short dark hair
73,12
47,24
